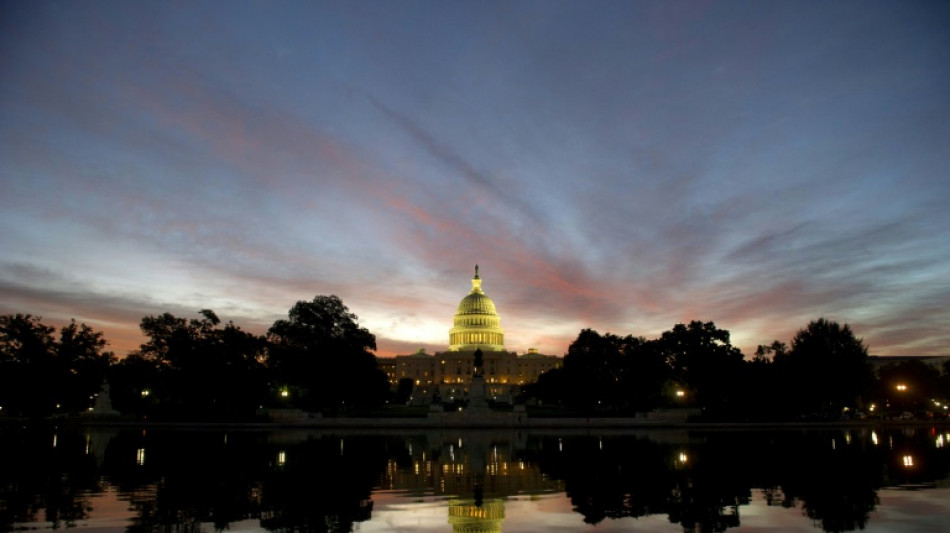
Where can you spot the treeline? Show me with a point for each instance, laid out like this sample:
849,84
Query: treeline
317,359
824,373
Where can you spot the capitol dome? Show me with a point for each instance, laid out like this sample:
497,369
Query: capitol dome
476,324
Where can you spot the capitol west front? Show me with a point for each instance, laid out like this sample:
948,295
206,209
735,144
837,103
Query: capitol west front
446,376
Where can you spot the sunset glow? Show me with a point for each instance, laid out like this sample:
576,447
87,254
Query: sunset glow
623,168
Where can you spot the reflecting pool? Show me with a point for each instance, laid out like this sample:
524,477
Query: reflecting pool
109,479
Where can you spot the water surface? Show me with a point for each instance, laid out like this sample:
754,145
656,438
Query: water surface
107,479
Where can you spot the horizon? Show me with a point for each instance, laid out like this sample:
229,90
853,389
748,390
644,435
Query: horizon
623,167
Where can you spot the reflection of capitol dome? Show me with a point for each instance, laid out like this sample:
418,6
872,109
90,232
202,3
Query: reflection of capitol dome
466,517
476,324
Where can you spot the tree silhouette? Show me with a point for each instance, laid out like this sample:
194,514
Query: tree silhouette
827,368
41,375
701,355
322,355
198,369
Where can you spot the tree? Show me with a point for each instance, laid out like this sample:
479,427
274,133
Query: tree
404,391
592,366
84,363
771,352
700,356
908,386
40,375
27,366
644,374
198,368
759,380
827,367
323,357
606,372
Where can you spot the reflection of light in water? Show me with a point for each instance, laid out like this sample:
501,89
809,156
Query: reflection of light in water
560,445
908,461
140,456
847,438
874,438
465,515
600,443
341,446
832,444
88,443
940,441
54,440
281,458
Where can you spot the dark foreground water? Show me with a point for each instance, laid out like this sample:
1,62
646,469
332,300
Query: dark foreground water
102,479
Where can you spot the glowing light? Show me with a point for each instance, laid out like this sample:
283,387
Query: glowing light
940,441
140,456
284,393
680,394
909,461
281,458
901,387
683,457
874,438
145,392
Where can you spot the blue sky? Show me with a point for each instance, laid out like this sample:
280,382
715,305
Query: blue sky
622,166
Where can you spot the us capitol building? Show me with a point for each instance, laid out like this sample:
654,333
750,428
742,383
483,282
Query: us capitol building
446,376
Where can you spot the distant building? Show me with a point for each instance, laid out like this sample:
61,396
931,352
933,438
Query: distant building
445,376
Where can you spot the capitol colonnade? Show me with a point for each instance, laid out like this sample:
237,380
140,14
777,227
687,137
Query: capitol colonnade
445,376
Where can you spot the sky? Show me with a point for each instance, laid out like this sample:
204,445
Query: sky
620,166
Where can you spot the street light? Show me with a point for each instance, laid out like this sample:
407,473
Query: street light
901,387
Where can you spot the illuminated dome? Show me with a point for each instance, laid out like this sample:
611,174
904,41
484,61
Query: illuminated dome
476,324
